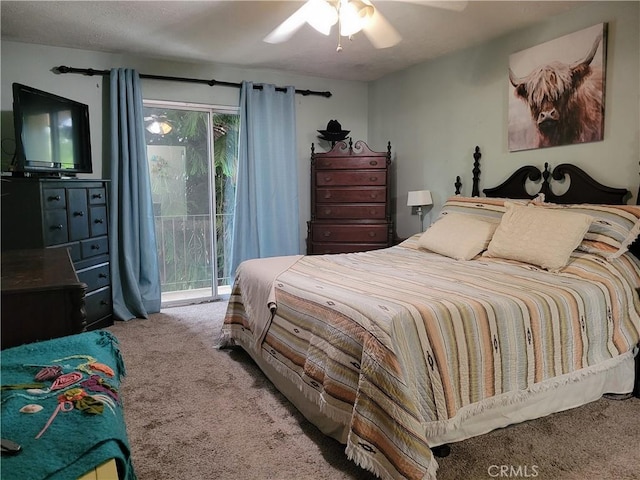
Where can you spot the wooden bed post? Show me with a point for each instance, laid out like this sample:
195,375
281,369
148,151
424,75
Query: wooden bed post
475,189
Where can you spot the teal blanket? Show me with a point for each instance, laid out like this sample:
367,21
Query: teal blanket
76,441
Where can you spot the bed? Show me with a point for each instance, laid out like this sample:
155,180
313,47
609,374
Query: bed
486,319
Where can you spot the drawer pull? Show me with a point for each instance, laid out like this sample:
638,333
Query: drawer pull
373,163
78,214
98,220
327,211
96,195
57,227
104,303
327,179
54,198
374,195
327,195
326,234
95,246
103,275
372,234
373,179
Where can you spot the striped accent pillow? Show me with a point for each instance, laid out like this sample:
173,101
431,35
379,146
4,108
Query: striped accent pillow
484,208
613,230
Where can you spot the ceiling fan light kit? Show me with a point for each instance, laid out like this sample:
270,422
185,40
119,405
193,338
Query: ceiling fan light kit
352,16
321,16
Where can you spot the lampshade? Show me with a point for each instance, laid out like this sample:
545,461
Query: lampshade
419,198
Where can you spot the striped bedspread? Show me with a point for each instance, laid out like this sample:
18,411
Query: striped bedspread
402,344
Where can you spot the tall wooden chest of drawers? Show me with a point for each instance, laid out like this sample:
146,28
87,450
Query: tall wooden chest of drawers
350,200
64,213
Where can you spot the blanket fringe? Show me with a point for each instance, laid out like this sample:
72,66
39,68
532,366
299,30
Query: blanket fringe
226,340
366,461
335,414
107,338
444,426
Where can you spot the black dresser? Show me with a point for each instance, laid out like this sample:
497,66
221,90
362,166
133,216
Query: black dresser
64,213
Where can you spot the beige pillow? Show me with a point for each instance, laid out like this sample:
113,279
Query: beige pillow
540,236
458,236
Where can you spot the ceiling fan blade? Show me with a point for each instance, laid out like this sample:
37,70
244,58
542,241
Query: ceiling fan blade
380,32
291,25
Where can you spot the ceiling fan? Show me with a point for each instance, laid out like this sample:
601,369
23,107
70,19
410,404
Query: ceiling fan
351,16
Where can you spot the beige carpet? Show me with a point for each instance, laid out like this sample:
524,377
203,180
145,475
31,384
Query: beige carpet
195,412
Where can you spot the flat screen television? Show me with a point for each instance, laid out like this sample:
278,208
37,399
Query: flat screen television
52,134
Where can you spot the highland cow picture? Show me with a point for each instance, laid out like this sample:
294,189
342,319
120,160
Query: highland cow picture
556,91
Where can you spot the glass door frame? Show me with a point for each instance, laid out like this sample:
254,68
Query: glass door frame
210,110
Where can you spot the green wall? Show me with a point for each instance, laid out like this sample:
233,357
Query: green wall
435,113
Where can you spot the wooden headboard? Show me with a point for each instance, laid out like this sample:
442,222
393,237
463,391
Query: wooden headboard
582,188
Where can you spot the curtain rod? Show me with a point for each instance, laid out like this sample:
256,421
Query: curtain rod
212,83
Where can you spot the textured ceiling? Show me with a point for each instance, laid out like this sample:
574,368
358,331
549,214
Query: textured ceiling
231,32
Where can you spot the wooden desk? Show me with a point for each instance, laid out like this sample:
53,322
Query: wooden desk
42,297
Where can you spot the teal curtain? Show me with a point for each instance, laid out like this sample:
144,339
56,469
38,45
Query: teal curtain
266,222
134,258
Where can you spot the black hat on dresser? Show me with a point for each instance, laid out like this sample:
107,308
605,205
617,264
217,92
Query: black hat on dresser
334,132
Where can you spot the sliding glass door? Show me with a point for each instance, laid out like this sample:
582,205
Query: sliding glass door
192,154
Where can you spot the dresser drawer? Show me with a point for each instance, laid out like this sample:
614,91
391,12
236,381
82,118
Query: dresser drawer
97,196
349,233
352,195
55,227
98,221
98,304
54,198
77,213
350,163
94,246
95,277
356,212
350,177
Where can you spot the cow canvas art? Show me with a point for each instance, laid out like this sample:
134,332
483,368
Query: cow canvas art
556,91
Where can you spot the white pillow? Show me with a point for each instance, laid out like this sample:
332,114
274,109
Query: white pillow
540,236
458,236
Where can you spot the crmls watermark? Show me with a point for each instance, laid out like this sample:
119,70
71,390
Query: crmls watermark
513,471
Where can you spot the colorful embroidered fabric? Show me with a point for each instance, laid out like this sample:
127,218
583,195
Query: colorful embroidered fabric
77,428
